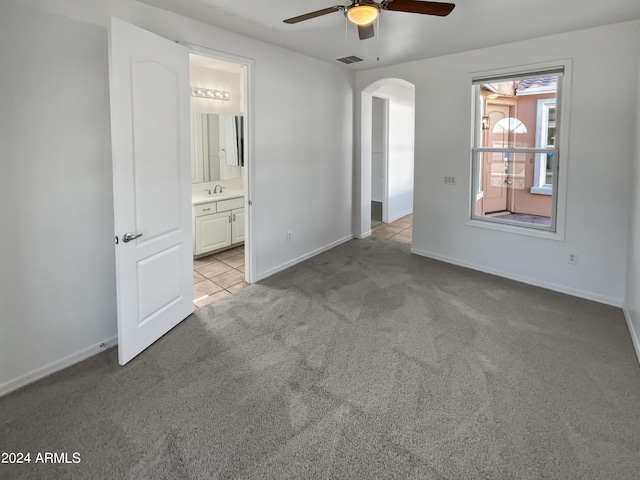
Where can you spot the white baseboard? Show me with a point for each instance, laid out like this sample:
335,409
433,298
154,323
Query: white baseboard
635,334
56,366
364,235
301,258
615,302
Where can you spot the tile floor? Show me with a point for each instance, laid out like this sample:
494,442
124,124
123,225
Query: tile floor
218,275
401,230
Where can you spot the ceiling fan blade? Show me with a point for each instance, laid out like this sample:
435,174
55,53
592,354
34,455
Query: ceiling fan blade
365,31
315,14
415,6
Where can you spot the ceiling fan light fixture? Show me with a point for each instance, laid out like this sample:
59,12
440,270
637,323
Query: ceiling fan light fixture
362,14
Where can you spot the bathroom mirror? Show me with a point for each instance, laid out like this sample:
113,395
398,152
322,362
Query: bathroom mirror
217,147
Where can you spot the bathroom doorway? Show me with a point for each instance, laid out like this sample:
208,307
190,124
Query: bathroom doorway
220,160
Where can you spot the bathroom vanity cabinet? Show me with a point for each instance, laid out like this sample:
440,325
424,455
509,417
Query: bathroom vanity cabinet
218,224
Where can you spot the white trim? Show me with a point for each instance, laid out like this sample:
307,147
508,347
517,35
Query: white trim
363,235
56,366
301,258
515,150
531,230
521,71
615,302
542,190
635,335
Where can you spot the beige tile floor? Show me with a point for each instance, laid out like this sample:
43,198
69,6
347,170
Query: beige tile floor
401,230
217,276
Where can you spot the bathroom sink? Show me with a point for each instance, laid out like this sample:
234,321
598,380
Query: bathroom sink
212,197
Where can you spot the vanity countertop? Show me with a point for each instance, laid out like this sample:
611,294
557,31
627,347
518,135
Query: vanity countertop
201,198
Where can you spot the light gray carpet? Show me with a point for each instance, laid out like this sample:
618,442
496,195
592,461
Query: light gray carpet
363,362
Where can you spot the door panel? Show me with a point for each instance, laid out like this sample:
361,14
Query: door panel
150,124
157,290
156,148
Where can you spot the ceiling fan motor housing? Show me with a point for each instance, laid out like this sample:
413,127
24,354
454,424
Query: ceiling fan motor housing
364,12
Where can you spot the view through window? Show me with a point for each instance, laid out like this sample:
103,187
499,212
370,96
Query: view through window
516,150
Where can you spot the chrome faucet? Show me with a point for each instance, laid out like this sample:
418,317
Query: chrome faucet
215,189
208,190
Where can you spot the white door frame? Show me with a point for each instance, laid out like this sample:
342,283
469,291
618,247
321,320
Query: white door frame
249,187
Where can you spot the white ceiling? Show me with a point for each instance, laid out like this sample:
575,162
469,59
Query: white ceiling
402,36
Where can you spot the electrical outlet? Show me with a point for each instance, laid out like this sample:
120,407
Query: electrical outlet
450,180
289,236
573,258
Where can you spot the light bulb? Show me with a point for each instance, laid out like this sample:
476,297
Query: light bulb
362,14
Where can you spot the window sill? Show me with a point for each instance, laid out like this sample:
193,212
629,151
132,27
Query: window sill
542,190
517,229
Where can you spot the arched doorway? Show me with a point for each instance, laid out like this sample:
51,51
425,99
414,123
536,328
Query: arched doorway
387,136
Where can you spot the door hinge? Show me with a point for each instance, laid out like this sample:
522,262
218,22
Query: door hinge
117,240
250,203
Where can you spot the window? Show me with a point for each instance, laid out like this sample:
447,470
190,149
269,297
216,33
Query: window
516,148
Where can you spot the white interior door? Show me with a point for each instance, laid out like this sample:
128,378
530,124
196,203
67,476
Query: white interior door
150,128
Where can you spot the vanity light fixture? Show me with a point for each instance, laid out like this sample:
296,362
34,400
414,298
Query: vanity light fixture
210,93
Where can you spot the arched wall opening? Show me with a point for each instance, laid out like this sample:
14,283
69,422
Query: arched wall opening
387,138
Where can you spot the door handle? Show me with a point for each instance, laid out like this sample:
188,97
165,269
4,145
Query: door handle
127,237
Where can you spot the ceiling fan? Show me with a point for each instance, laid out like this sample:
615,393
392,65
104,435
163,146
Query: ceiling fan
364,12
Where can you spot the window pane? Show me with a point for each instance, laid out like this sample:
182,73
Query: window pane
509,116
504,195
551,127
549,170
516,187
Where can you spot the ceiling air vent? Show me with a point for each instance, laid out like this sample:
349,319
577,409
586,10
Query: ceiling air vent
351,59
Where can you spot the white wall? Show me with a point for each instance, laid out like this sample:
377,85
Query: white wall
600,156
632,299
57,301
378,143
400,150
57,293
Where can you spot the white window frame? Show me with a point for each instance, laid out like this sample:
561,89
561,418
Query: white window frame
557,228
540,185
